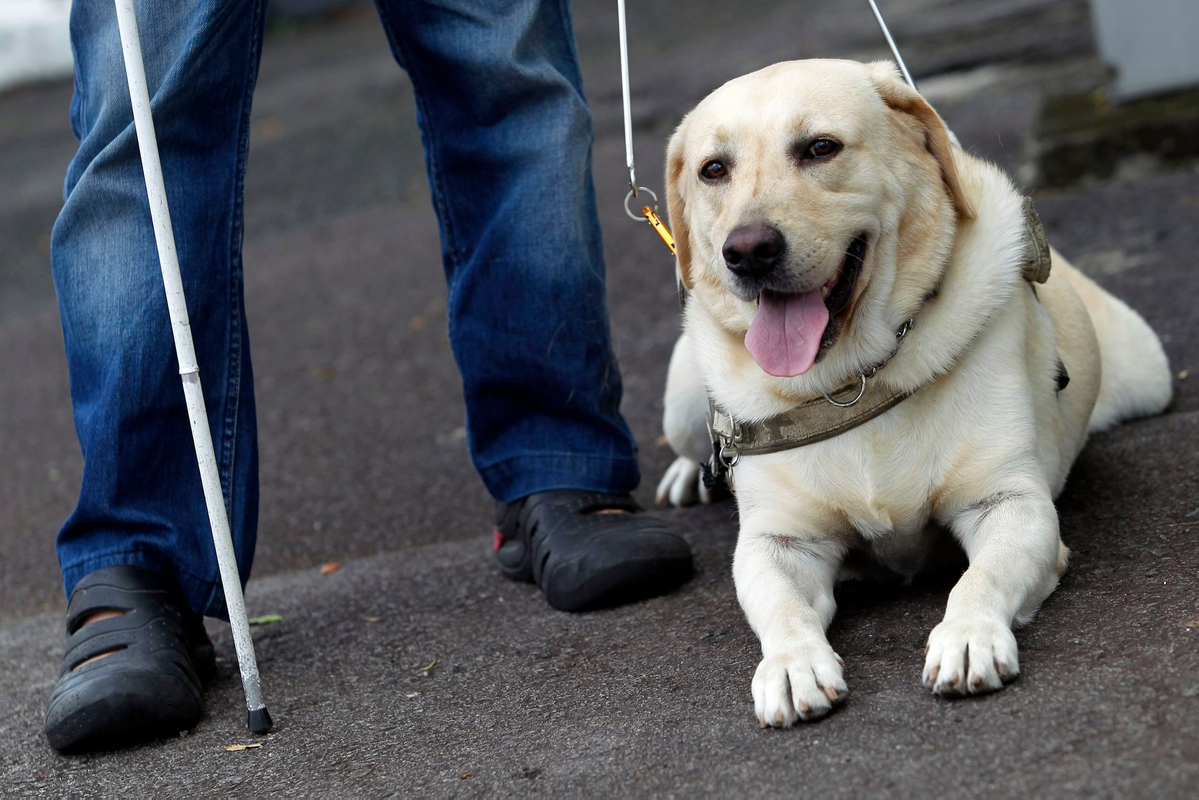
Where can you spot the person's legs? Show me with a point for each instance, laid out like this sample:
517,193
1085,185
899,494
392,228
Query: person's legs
507,136
136,554
141,503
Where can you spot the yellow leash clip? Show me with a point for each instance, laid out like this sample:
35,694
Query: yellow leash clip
648,214
659,227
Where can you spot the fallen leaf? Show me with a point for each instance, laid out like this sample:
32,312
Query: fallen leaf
1182,376
322,373
331,567
266,129
429,666
464,776
1193,623
371,619
266,619
235,748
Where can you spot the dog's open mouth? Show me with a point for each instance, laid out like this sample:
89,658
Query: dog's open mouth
793,330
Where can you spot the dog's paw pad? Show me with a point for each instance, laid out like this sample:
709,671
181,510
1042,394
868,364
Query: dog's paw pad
682,485
966,657
802,683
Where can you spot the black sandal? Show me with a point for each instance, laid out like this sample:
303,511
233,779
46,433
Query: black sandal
149,685
581,559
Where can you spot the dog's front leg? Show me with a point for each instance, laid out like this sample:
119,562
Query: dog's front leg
684,422
785,585
1016,558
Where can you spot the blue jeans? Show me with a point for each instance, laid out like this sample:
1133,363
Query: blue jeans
506,130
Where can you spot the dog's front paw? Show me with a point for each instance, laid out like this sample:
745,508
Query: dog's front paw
966,657
683,485
801,683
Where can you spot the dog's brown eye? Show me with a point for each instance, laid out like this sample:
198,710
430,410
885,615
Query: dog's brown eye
822,148
713,170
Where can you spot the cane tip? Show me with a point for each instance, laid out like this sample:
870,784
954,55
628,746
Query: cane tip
259,720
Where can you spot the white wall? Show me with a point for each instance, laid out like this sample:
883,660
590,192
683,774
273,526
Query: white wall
34,41
1153,44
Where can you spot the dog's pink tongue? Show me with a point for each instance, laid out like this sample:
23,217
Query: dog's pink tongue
785,335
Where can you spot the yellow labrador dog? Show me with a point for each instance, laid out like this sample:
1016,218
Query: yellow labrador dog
835,243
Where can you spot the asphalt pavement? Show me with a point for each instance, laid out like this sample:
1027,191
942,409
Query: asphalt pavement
414,669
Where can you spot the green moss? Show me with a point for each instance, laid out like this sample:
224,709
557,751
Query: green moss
1088,135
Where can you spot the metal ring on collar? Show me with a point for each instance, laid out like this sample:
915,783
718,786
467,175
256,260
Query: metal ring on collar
729,461
629,196
851,403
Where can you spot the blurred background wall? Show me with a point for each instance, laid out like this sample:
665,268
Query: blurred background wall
35,46
1152,45
33,41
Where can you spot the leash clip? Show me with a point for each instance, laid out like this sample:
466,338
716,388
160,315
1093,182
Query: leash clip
649,214
726,435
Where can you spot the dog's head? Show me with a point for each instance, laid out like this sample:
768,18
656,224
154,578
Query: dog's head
802,197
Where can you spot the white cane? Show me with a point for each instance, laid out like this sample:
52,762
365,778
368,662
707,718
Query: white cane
259,721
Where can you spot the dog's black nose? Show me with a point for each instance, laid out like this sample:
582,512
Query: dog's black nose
753,250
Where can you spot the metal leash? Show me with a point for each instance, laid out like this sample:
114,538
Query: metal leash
878,15
624,84
648,213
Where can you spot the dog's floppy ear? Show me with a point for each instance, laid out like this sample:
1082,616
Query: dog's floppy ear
901,97
674,203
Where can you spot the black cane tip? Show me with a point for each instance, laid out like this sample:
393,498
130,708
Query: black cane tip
259,720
